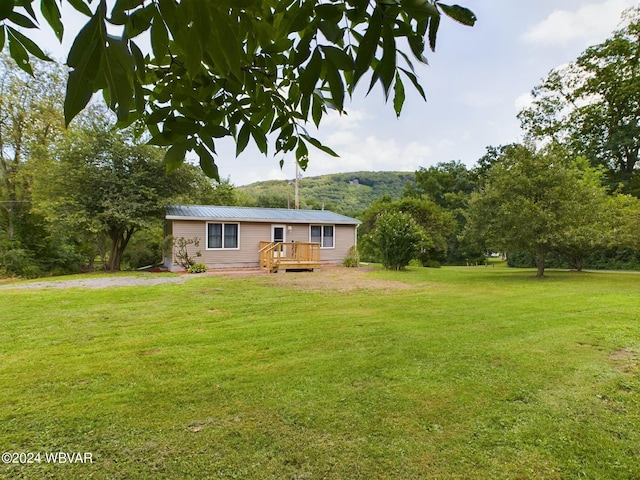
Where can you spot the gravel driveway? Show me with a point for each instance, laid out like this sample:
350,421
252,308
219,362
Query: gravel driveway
102,282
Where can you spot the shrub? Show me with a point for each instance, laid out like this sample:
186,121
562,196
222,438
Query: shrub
398,239
183,258
197,268
16,261
352,259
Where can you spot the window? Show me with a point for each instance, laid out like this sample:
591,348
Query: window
223,235
322,234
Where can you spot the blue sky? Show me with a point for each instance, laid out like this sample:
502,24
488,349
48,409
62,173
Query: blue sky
476,82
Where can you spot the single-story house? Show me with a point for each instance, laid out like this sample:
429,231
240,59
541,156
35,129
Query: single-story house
265,237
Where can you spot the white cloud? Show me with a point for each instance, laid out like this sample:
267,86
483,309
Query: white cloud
350,120
343,137
523,101
371,153
592,23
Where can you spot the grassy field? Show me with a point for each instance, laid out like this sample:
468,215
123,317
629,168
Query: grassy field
452,373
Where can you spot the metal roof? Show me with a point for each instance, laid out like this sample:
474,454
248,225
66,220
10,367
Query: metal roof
250,214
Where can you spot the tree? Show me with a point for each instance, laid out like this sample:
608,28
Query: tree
449,184
246,69
398,239
600,218
101,183
593,105
30,121
536,202
436,225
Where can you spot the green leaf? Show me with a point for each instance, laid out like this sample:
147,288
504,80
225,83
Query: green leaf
138,58
398,95
316,143
300,20
415,82
165,139
158,115
243,138
182,125
6,8
118,70
21,20
84,57
51,13
207,163
159,37
281,45
302,154
369,45
317,109
260,138
122,5
139,21
419,9
174,158
416,43
331,31
339,58
386,69
434,23
216,131
139,99
226,40
302,50
29,45
19,54
2,37
311,73
85,42
336,86
459,14
330,12
26,4
81,7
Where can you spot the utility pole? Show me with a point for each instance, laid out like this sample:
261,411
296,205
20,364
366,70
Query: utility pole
297,193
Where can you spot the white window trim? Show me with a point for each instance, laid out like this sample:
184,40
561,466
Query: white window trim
206,236
322,235
284,231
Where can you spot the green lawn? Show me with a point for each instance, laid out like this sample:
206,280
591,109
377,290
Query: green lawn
449,373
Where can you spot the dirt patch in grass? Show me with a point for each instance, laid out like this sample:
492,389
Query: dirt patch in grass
327,278
342,279
625,360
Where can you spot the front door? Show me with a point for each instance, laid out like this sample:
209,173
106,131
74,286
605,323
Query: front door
277,233
278,236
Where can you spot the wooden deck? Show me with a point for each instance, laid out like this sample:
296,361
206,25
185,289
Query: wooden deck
276,256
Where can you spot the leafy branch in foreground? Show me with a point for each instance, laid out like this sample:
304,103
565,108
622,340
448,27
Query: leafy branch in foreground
252,70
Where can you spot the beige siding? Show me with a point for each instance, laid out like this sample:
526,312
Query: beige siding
344,239
168,249
250,236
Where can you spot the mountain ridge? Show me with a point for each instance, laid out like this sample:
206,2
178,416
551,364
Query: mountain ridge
348,193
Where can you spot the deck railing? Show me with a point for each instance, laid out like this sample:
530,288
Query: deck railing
275,255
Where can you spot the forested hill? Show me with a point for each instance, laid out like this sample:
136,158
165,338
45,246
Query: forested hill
345,193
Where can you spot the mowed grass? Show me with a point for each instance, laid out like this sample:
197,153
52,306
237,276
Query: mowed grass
453,373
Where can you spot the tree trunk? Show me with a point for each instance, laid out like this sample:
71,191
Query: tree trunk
577,263
540,263
113,264
119,241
